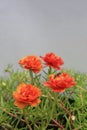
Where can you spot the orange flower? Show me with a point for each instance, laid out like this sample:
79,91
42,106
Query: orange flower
60,83
32,63
53,60
26,94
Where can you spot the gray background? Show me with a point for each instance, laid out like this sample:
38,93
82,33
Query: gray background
41,26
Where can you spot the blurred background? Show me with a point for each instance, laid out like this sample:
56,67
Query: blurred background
41,26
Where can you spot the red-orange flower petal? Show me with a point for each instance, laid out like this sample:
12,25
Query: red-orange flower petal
35,102
26,94
32,63
20,104
53,60
60,83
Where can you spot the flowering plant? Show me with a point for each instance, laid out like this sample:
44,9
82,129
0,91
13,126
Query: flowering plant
28,94
44,95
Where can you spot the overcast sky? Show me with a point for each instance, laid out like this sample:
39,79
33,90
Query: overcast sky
41,26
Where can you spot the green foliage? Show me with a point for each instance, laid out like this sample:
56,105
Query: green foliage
63,111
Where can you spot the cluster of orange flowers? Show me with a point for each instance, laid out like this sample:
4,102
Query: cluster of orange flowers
28,94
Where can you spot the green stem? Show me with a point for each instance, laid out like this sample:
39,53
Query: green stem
49,70
24,113
31,77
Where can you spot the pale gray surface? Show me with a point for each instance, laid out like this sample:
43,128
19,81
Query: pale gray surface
41,26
